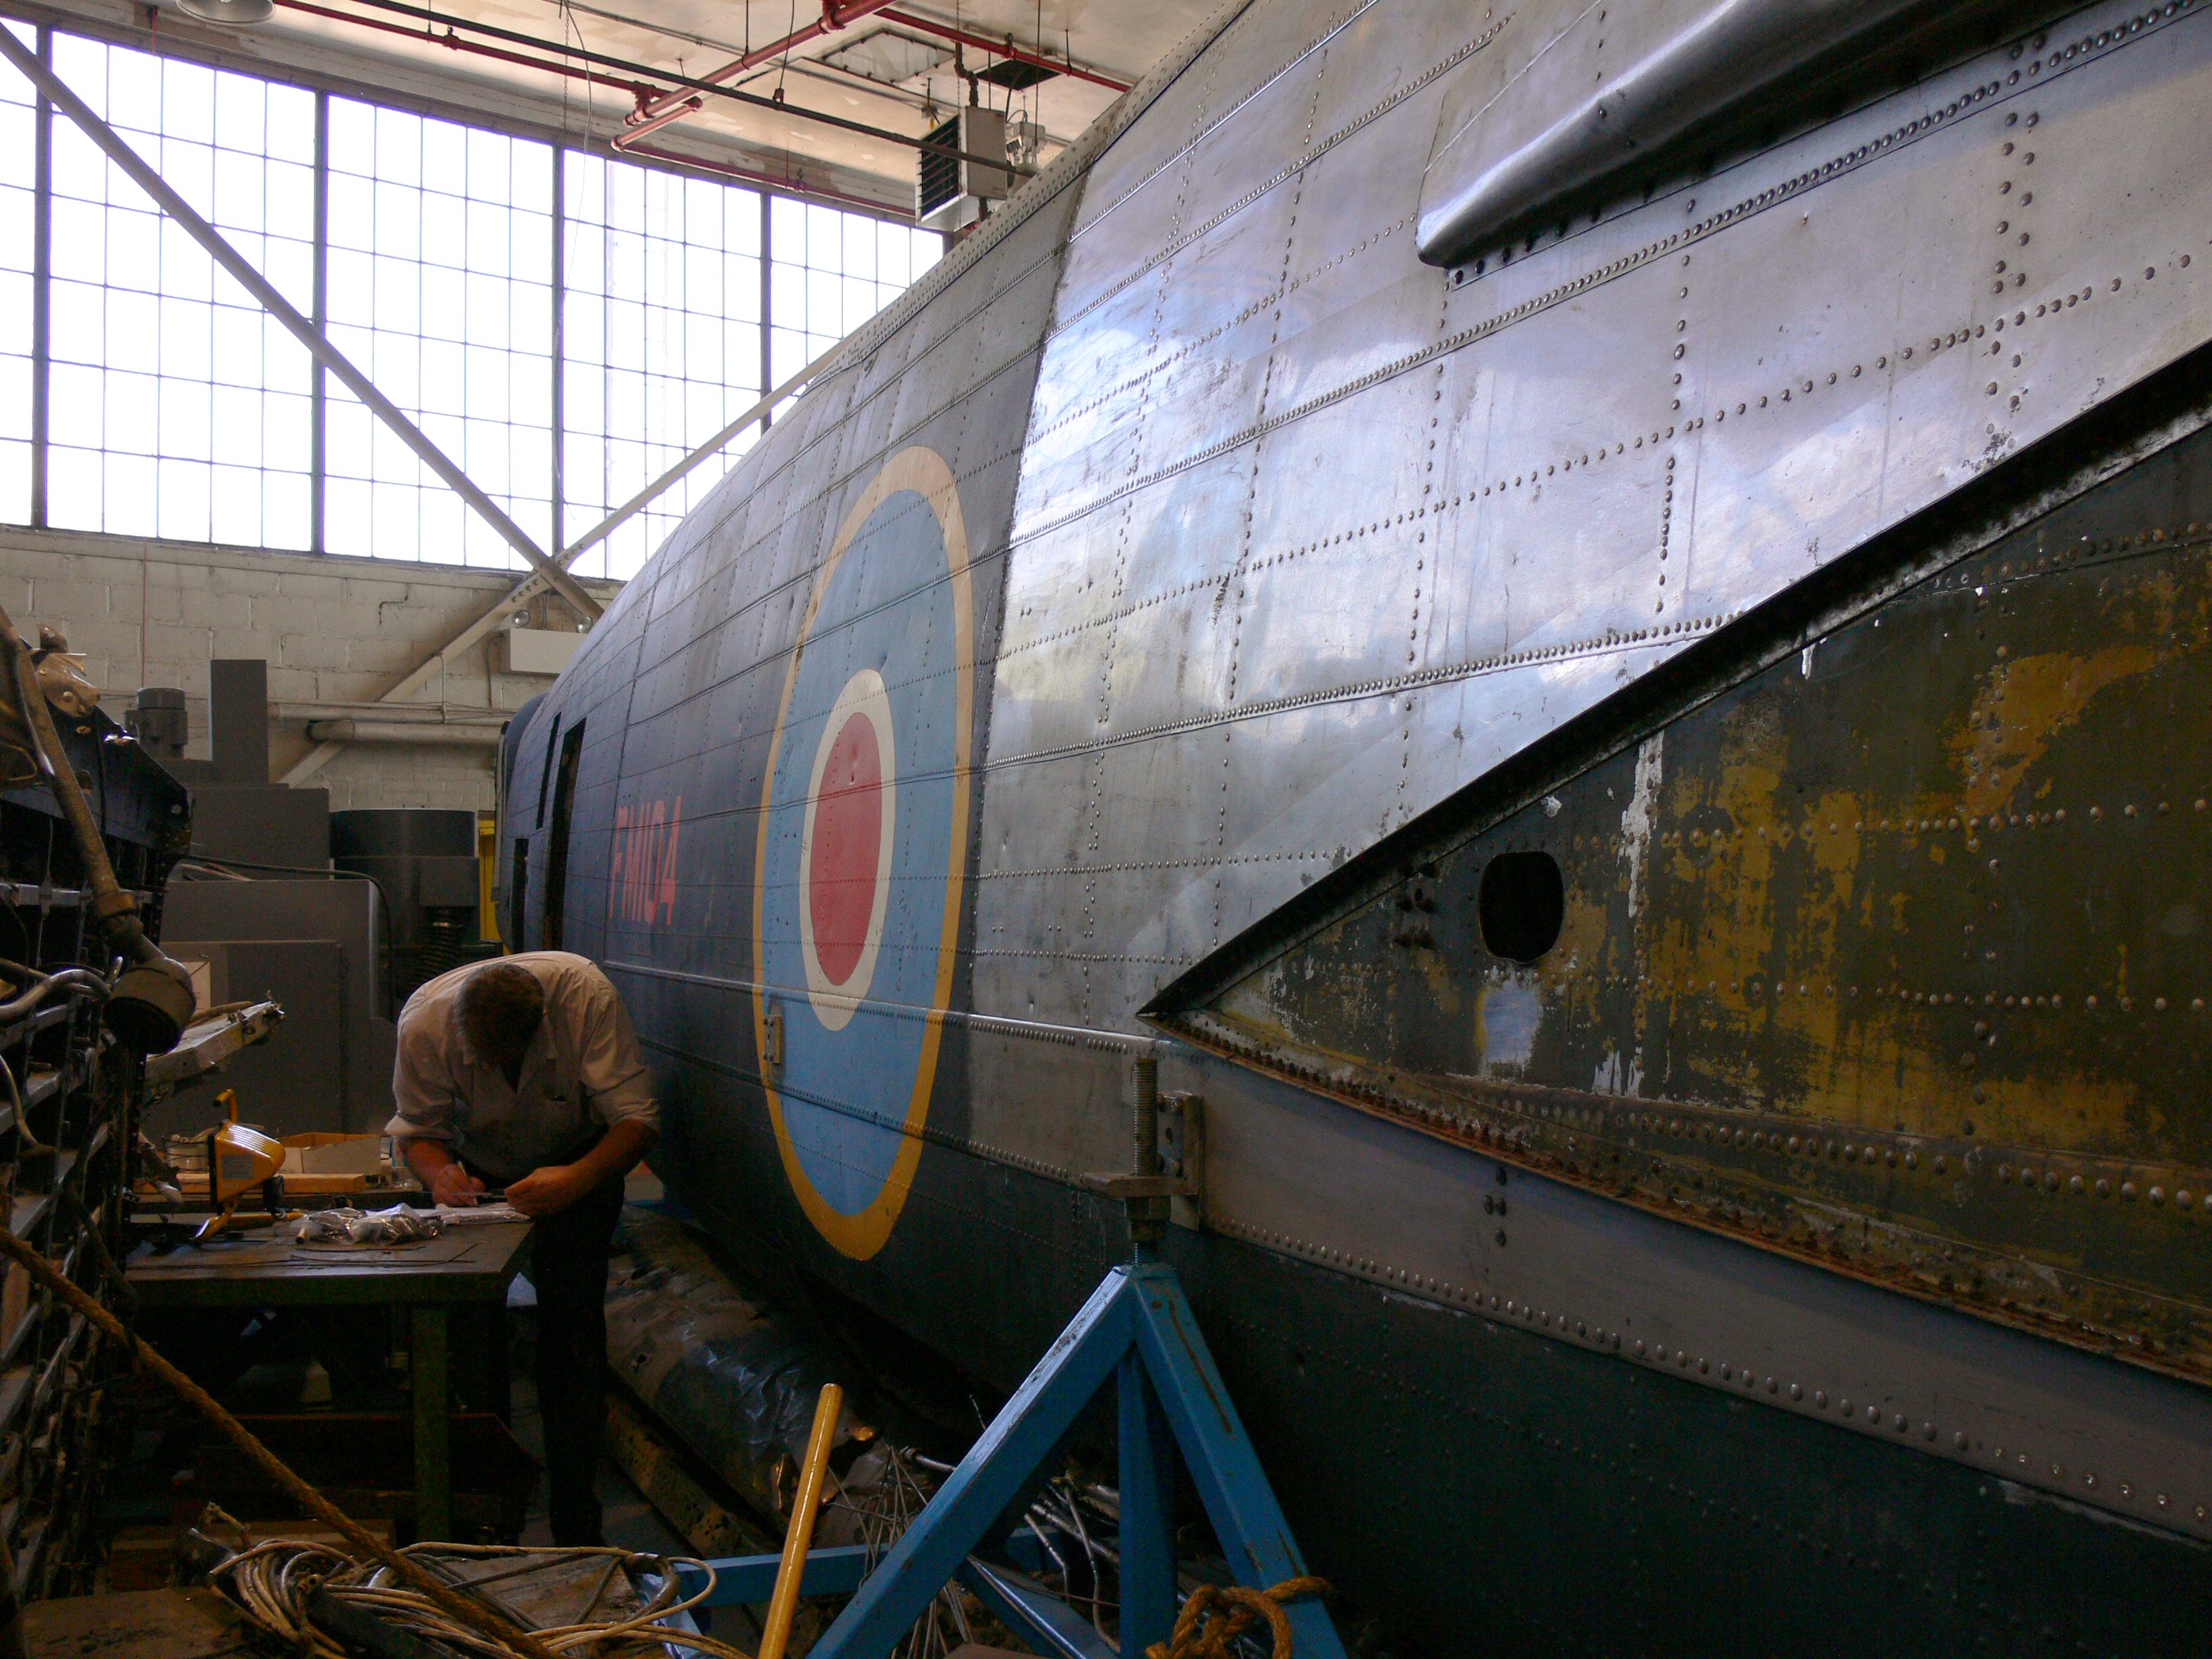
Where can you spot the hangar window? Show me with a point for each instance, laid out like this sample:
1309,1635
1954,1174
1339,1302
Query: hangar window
18,197
668,327
176,407
833,271
1522,904
565,325
440,290
661,338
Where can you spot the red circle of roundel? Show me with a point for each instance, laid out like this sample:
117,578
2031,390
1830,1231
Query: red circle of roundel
849,828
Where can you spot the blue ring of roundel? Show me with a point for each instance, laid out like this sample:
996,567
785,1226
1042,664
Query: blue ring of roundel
888,604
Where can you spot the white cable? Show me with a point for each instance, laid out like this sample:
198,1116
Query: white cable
274,1580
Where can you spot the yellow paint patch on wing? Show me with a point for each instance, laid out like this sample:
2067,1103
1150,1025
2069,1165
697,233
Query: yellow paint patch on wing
1760,887
1707,926
2023,704
1718,923
2060,1107
1586,943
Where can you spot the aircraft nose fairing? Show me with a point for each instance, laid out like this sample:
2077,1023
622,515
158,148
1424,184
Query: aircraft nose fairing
1591,105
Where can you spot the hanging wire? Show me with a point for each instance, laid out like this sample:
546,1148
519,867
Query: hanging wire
1056,1513
783,63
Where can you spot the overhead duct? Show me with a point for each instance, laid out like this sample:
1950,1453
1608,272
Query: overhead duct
485,735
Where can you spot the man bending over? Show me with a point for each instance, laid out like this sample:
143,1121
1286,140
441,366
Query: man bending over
523,1073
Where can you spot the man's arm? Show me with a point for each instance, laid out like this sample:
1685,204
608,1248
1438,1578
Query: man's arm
556,1186
435,1166
422,1124
613,1077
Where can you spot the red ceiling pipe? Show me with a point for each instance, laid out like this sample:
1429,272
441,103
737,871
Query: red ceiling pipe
455,43
675,106
562,57
1006,48
643,92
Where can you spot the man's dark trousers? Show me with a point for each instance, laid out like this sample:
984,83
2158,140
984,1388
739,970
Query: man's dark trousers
569,1267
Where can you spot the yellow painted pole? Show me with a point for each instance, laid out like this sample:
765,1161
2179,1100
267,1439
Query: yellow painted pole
798,1538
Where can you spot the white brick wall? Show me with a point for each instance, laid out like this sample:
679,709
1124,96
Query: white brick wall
331,629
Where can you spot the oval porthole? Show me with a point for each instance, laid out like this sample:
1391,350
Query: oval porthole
1523,904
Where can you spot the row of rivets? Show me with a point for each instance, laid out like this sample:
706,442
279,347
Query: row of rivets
2185,1201
1728,1374
1806,386
1469,1127
2021,1001
1993,822
1660,1354
1850,1151
1872,1415
1976,573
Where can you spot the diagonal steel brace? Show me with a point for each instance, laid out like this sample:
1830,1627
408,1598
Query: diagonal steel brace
140,172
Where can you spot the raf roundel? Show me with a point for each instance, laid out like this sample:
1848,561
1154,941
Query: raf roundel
863,842
845,849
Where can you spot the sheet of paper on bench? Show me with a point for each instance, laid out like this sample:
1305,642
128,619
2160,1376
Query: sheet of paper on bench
480,1214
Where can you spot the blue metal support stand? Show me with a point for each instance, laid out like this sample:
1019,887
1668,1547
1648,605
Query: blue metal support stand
1137,1331
1044,1621
1147,1493
743,1579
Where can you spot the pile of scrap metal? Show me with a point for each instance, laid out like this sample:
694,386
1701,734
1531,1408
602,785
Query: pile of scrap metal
732,1375
88,997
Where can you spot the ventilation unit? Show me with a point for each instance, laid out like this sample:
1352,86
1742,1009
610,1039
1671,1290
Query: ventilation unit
951,189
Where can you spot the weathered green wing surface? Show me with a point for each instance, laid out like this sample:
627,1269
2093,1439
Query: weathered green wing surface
1893,955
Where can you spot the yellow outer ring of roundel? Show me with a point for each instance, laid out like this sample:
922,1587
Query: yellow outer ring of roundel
924,471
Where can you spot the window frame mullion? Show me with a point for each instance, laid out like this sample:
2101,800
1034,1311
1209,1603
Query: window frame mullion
318,385
558,482
42,279
767,307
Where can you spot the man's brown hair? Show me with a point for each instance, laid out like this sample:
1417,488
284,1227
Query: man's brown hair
500,1006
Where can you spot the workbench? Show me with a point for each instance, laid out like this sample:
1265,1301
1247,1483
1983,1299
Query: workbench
470,1265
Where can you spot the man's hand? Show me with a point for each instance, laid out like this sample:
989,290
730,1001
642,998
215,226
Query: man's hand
453,1185
436,1167
549,1190
556,1186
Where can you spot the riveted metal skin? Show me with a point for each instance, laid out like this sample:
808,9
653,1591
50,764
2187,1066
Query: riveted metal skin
1302,577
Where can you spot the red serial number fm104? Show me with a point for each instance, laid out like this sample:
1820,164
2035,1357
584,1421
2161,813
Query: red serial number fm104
641,874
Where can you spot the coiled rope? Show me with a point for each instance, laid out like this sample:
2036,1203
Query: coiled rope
276,1580
1217,1615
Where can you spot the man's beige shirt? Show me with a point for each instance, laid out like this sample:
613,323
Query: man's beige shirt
581,1073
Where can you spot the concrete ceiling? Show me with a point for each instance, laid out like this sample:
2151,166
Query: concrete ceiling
895,72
